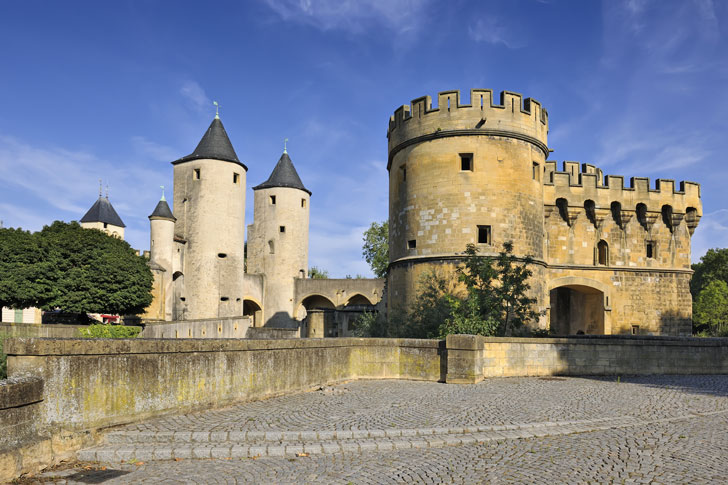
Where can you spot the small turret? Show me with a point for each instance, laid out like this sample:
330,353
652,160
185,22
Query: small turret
102,216
161,246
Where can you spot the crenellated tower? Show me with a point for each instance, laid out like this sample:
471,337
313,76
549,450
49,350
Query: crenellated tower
278,239
463,173
209,203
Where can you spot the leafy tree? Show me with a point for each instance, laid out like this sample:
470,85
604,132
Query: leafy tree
713,266
376,248
710,309
75,269
317,273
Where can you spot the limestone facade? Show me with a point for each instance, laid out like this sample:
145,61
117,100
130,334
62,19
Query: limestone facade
607,257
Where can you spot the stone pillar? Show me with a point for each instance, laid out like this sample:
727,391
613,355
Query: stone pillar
464,359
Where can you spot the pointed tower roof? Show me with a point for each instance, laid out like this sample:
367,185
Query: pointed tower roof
103,211
284,175
215,144
162,211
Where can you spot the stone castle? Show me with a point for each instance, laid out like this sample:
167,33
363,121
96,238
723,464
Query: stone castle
607,258
198,250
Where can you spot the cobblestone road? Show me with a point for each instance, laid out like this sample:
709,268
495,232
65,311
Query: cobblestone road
657,429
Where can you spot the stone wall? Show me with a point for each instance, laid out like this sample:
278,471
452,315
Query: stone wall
473,358
228,327
35,330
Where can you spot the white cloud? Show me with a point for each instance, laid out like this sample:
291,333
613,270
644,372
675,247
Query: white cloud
401,16
493,30
195,96
149,149
712,232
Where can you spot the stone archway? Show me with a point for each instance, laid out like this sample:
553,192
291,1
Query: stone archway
252,309
577,309
320,319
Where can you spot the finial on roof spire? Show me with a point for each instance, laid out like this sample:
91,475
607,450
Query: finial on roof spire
285,145
101,188
162,187
107,191
217,110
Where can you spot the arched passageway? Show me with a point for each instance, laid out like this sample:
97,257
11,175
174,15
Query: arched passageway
320,318
577,309
254,311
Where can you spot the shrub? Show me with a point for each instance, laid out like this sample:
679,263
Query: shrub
109,331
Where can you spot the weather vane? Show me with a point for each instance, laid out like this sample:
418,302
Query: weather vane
107,191
162,187
101,188
217,110
285,145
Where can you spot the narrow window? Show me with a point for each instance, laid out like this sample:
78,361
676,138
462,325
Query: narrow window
412,244
536,172
224,298
236,178
650,249
466,162
635,329
303,203
197,174
282,228
483,234
273,200
221,255
404,172
271,247
603,253
105,225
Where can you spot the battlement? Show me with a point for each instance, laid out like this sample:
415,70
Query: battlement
513,116
580,182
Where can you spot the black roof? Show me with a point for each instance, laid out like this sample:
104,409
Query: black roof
215,144
163,211
103,211
284,175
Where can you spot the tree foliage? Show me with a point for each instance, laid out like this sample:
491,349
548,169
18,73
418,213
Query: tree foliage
77,270
486,296
710,309
713,266
109,331
376,248
317,273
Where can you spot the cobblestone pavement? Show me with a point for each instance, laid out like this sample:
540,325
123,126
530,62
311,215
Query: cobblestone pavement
656,429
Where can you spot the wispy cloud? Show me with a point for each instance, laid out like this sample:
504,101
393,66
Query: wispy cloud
149,149
494,30
356,16
195,96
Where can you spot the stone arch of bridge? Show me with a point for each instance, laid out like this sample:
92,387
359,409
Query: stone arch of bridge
579,305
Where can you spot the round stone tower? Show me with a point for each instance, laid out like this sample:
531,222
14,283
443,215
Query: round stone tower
460,174
278,239
209,202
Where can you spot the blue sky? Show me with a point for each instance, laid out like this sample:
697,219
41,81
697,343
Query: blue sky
117,90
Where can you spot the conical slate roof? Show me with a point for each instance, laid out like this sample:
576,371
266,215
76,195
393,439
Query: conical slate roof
215,144
162,211
103,211
284,175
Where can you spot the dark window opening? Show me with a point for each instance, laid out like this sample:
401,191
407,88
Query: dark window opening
536,172
221,255
282,228
105,225
197,174
236,178
650,249
224,298
483,234
301,273
466,162
182,298
303,203
272,199
635,329
271,247
404,173
603,253
412,244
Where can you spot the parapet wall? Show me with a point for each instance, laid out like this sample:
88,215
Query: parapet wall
223,327
511,116
580,182
474,358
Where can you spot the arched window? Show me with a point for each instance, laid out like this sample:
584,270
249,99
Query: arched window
590,209
642,214
563,206
667,216
603,253
616,209
271,247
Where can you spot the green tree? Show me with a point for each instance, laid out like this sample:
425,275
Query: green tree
93,272
710,309
713,266
376,248
317,273
75,269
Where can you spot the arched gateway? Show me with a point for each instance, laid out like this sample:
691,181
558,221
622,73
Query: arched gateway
578,306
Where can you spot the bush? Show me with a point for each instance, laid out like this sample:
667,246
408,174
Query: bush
110,331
